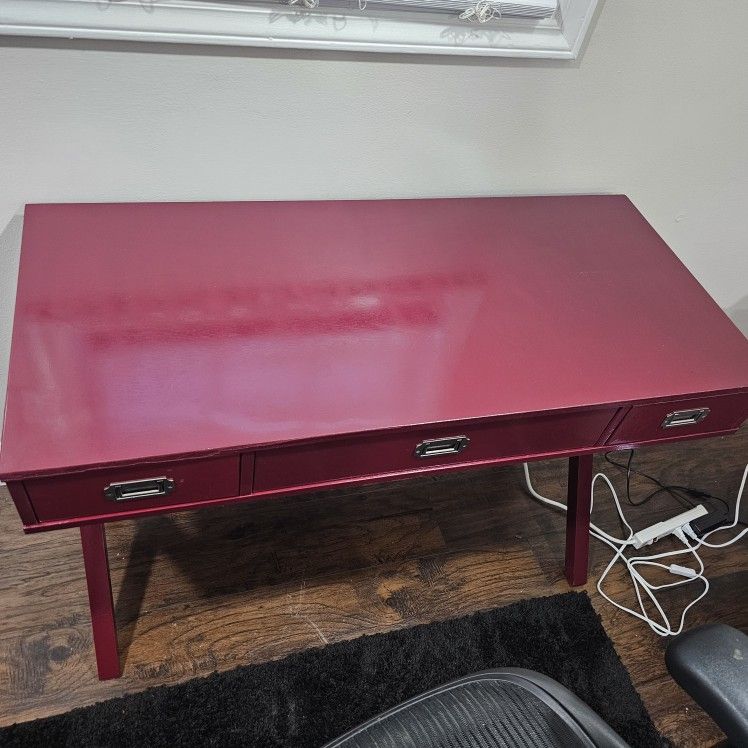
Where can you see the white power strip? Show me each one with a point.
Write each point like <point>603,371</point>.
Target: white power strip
<point>679,527</point>
<point>660,530</point>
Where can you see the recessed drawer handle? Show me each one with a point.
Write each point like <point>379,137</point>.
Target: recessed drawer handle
<point>452,445</point>
<point>139,489</point>
<point>684,417</point>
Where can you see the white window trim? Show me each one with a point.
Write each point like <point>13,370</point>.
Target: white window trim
<point>202,22</point>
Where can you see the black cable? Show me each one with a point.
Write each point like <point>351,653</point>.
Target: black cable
<point>683,494</point>
<point>661,487</point>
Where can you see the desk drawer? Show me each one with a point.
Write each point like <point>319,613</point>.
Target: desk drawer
<point>146,487</point>
<point>692,417</point>
<point>353,457</point>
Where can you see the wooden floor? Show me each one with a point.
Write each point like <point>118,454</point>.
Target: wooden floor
<point>200,591</point>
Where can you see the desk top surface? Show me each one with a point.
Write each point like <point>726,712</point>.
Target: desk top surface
<point>152,330</point>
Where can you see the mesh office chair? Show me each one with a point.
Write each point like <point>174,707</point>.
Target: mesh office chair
<point>514,708</point>
<point>509,707</point>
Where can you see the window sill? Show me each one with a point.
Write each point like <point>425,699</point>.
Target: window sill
<point>200,22</point>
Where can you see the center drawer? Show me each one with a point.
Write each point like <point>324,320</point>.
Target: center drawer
<point>424,448</point>
<point>116,490</point>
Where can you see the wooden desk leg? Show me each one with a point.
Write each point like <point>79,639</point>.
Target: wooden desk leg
<point>96,563</point>
<point>578,519</point>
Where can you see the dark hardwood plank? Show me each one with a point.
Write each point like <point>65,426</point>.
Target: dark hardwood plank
<point>206,590</point>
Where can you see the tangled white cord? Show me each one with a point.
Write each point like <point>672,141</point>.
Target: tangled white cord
<point>309,4</point>
<point>619,545</point>
<point>482,12</point>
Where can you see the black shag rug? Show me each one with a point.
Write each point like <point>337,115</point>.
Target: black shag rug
<point>311,697</point>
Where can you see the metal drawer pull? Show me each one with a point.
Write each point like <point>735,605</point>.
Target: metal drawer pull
<point>452,445</point>
<point>139,489</point>
<point>684,417</point>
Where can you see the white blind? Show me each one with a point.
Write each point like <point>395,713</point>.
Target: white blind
<point>535,9</point>
<point>479,11</point>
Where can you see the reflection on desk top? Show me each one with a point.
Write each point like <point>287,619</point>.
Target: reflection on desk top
<point>163,329</point>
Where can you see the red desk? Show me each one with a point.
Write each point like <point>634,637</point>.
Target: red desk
<point>173,356</point>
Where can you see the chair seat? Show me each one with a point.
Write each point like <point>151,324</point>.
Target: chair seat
<point>710,663</point>
<point>510,707</point>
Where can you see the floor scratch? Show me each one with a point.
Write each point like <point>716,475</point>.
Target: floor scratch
<point>322,637</point>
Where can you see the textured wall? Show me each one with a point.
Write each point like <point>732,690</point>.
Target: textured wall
<point>657,108</point>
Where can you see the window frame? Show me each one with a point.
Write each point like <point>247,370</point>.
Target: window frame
<point>206,22</point>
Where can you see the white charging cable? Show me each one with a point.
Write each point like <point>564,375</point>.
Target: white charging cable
<point>641,585</point>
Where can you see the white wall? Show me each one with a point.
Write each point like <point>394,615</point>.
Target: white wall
<point>657,108</point>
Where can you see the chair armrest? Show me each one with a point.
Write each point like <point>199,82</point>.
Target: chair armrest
<point>710,663</point>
